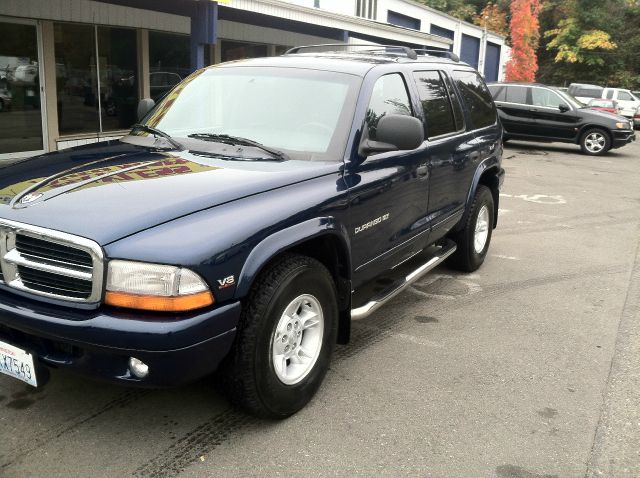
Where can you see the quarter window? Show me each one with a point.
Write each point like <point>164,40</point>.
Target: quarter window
<point>389,96</point>
<point>436,104</point>
<point>477,98</point>
<point>624,96</point>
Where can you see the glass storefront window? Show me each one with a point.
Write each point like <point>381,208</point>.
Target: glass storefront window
<point>169,61</point>
<point>89,102</point>
<point>20,115</point>
<point>76,80</point>
<point>118,77</point>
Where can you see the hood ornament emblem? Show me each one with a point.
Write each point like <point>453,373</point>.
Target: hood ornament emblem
<point>30,198</point>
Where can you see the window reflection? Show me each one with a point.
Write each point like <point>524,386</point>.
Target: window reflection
<point>20,115</point>
<point>86,105</point>
<point>169,61</point>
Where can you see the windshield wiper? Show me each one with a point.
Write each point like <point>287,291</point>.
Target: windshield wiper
<point>157,132</point>
<point>238,141</point>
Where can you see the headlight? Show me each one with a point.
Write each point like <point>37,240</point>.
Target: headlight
<point>139,285</point>
<point>622,125</point>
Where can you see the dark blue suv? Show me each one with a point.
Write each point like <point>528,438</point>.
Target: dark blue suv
<point>253,213</point>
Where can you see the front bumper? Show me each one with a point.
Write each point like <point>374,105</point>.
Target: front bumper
<point>622,137</point>
<point>99,343</point>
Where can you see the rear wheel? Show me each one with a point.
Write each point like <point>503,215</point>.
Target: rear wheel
<point>474,239</point>
<point>595,142</point>
<point>285,338</point>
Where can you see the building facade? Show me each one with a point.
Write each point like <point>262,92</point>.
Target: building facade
<point>73,71</point>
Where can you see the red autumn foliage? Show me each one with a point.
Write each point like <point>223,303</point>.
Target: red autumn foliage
<point>525,36</point>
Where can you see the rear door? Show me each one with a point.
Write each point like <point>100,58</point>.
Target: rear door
<point>514,107</point>
<point>550,120</point>
<point>451,149</point>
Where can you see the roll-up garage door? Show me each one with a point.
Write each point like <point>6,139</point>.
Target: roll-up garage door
<point>470,50</point>
<point>443,32</point>
<point>492,62</point>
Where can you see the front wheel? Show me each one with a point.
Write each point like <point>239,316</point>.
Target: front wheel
<point>474,238</point>
<point>595,142</point>
<point>285,338</point>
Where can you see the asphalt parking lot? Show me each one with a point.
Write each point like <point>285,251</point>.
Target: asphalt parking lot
<point>528,368</point>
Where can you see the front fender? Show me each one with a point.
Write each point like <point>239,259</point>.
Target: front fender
<point>286,239</point>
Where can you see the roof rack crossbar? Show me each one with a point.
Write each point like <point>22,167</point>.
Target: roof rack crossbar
<point>442,53</point>
<point>403,50</point>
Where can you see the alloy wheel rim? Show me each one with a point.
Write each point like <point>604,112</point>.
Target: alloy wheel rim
<point>595,142</point>
<point>297,339</point>
<point>481,232</point>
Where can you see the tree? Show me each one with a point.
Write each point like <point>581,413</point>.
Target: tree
<point>525,37</point>
<point>493,18</point>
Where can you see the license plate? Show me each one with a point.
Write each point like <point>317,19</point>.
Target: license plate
<point>17,363</point>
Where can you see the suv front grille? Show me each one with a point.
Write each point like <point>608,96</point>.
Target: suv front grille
<point>50,263</point>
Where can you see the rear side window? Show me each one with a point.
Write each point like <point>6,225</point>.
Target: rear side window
<point>477,98</point>
<point>517,94</point>
<point>389,96</point>
<point>624,96</point>
<point>436,103</point>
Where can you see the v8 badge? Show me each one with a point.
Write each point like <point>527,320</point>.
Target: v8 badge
<point>226,282</point>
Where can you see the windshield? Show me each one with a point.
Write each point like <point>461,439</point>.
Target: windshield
<point>305,113</point>
<point>570,99</point>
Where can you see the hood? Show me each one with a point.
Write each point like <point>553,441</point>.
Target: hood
<point>603,114</point>
<point>108,191</point>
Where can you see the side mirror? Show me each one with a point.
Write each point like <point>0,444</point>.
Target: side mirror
<point>395,132</point>
<point>144,107</point>
<point>563,108</point>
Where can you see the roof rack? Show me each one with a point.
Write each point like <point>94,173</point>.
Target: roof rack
<point>440,53</point>
<point>371,49</point>
<point>388,50</point>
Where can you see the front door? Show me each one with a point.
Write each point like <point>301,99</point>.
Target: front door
<point>551,121</point>
<point>388,192</point>
<point>22,132</point>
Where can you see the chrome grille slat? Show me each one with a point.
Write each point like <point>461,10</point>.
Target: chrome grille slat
<point>50,264</point>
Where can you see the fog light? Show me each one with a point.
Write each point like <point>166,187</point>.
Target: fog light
<point>138,367</point>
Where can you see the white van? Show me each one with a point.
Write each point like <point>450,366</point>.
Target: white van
<point>627,101</point>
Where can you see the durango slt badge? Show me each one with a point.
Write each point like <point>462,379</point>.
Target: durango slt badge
<point>369,224</point>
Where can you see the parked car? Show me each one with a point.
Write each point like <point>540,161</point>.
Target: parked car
<point>247,221</point>
<point>610,106</point>
<point>584,92</point>
<point>627,101</point>
<point>636,118</point>
<point>537,112</point>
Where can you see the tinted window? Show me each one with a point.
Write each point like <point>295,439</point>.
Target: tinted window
<point>389,96</point>
<point>477,98</point>
<point>589,92</point>
<point>435,103</point>
<point>624,96</point>
<point>455,102</point>
<point>517,94</point>
<point>610,94</point>
<point>543,97</point>
<point>498,92</point>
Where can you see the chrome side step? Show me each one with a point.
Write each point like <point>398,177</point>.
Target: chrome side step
<point>377,302</point>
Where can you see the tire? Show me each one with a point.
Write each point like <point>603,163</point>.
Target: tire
<point>595,142</point>
<point>470,254</point>
<point>250,376</point>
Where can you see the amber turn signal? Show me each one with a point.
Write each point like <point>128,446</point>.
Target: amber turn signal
<point>181,303</point>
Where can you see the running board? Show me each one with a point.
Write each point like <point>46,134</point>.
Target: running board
<point>374,304</point>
